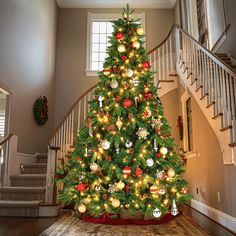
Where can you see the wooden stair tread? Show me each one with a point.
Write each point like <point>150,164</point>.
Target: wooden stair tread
<point>226,128</point>
<point>35,165</point>
<point>217,115</point>
<point>12,203</point>
<point>22,189</point>
<point>29,176</point>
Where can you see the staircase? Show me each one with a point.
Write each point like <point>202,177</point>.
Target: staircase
<point>26,191</point>
<point>227,60</point>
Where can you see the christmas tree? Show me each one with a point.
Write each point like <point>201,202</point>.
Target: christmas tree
<point>124,156</point>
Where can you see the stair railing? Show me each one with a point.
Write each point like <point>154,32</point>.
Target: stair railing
<point>213,76</point>
<point>4,159</point>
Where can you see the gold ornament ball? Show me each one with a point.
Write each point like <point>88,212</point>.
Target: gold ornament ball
<point>81,208</point>
<point>121,48</point>
<point>163,150</point>
<point>120,185</point>
<point>94,166</point>
<point>105,144</point>
<point>115,203</point>
<point>140,31</point>
<point>114,84</point>
<point>171,173</point>
<point>136,44</point>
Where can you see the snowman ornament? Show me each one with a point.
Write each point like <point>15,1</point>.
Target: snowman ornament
<point>156,213</point>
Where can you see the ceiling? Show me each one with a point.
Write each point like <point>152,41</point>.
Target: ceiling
<point>163,4</point>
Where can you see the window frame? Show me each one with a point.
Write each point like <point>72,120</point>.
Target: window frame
<point>102,17</point>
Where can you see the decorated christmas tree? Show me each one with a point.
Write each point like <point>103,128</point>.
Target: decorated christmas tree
<point>124,156</point>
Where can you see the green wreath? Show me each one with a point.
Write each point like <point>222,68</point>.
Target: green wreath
<point>41,110</point>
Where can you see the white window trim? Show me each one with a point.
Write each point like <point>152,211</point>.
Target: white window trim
<point>101,17</point>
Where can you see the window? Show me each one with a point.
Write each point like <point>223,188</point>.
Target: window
<point>189,125</point>
<point>98,32</point>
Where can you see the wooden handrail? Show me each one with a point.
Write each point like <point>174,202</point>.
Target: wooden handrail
<point>205,50</point>
<point>70,110</point>
<point>6,139</point>
<point>224,32</point>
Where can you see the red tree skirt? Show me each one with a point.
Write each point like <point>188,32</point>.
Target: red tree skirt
<point>166,218</point>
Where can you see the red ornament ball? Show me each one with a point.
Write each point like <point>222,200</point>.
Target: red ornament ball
<point>127,170</point>
<point>159,155</point>
<point>127,102</point>
<point>139,172</point>
<point>119,35</point>
<point>106,71</point>
<point>153,189</point>
<point>82,186</point>
<point>118,98</point>
<point>123,57</point>
<point>145,64</point>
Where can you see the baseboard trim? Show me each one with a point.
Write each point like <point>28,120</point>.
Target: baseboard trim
<point>220,217</point>
<point>24,154</point>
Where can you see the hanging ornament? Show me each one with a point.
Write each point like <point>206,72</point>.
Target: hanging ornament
<point>161,191</point>
<point>82,176</point>
<point>171,173</point>
<point>136,44</point>
<point>86,151</point>
<point>120,185</point>
<point>140,31</point>
<point>127,170</point>
<point>155,145</point>
<point>153,189</point>
<point>129,73</point>
<point>105,144</point>
<point>106,71</point>
<point>147,113</point>
<point>127,102</point>
<point>119,35</point>
<point>127,188</point>
<point>90,130</point>
<point>82,208</point>
<point>119,123</point>
<point>123,57</point>
<point>82,187</point>
<point>174,210</point>
<point>118,98</point>
<point>104,196</point>
<point>148,94</point>
<point>94,166</point>
<point>138,172</point>
<point>159,155</point>
<point>121,48</point>
<point>114,84</point>
<point>142,133</point>
<point>150,162</point>
<point>136,81</point>
<point>163,150</point>
<point>117,148</point>
<point>146,64</point>
<point>156,213</point>
<point>184,190</point>
<point>115,69</point>
<point>161,174</point>
<point>97,187</point>
<point>128,144</point>
<point>100,99</point>
<point>153,122</point>
<point>112,188</point>
<point>115,202</point>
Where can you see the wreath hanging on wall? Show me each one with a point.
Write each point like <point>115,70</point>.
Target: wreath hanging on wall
<point>41,110</point>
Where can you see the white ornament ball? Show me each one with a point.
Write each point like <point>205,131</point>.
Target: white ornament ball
<point>121,48</point>
<point>128,144</point>
<point>81,208</point>
<point>94,166</point>
<point>136,81</point>
<point>114,84</point>
<point>156,213</point>
<point>140,31</point>
<point>129,73</point>
<point>136,44</point>
<point>149,112</point>
<point>150,162</point>
<point>161,191</point>
<point>105,144</point>
<point>120,185</point>
<point>163,150</point>
<point>171,173</point>
<point>115,202</point>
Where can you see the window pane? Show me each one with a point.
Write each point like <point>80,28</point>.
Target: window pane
<point>95,47</point>
<point>95,27</point>
<point>109,27</point>
<point>103,27</point>
<point>102,56</point>
<point>102,47</point>
<point>95,38</point>
<point>95,57</point>
<point>103,38</point>
<point>94,65</point>
<point>100,65</point>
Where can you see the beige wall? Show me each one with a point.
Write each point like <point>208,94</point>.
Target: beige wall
<point>27,53</point>
<point>71,81</point>
<point>207,172</point>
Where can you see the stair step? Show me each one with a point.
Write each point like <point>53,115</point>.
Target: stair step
<point>19,208</point>
<point>41,157</point>
<point>22,193</point>
<point>226,128</point>
<point>28,180</point>
<point>36,168</point>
